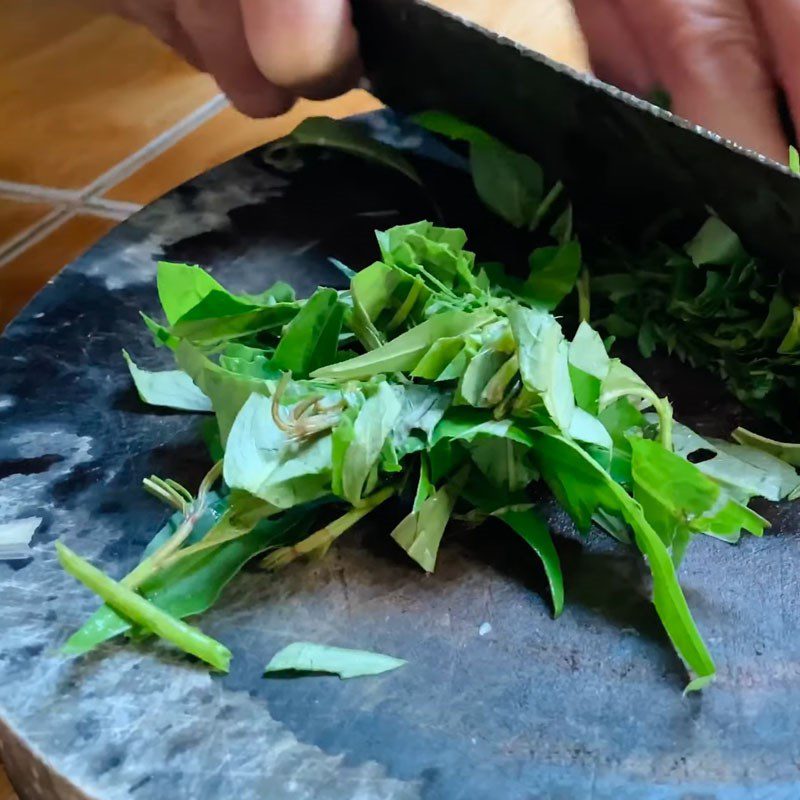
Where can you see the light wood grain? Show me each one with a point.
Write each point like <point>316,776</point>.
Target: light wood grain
<point>79,92</point>
<point>15,217</point>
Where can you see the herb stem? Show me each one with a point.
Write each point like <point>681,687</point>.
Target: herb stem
<point>325,537</point>
<point>143,612</point>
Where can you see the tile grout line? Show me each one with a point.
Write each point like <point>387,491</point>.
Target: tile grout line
<point>154,147</point>
<point>70,202</point>
<point>34,234</point>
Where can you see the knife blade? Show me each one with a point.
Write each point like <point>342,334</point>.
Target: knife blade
<point>626,158</point>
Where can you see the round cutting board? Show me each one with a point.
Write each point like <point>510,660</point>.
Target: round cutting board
<point>498,700</point>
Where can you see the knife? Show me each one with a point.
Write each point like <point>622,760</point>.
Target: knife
<point>626,158</point>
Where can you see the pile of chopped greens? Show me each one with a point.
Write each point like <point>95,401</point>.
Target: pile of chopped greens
<point>452,385</point>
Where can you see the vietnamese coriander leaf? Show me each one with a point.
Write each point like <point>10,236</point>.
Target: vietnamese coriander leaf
<point>307,657</point>
<point>170,389</point>
<point>347,137</point>
<point>533,529</point>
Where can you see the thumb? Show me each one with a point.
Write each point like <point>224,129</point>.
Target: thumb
<point>307,46</point>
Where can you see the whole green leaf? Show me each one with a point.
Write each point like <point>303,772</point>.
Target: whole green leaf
<point>510,183</point>
<point>326,660</point>
<point>554,271</point>
<point>533,529</point>
<point>312,338</point>
<point>403,353</point>
<point>348,138</point>
<point>169,389</point>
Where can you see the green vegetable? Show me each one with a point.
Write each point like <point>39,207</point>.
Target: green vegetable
<point>193,584</point>
<point>171,389</point>
<point>452,387</point>
<point>346,137</point>
<point>137,609</point>
<point>533,529</point>
<point>309,657</point>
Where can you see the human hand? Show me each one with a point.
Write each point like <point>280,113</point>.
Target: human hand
<point>721,61</point>
<point>262,53</point>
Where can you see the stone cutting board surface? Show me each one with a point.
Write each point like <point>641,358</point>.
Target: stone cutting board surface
<point>520,708</point>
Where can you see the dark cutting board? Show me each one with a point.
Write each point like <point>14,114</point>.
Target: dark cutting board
<point>586,706</point>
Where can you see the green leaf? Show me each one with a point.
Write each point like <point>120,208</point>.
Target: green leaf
<point>504,462</point>
<point>312,338</point>
<point>623,382</point>
<point>583,487</point>
<point>482,367</point>
<point>423,409</point>
<point>420,533</point>
<point>228,392</point>
<point>543,361</point>
<point>554,271</point>
<point>791,342</point>
<point>794,160</point>
<point>139,610</point>
<point>785,451</point>
<point>348,138</point>
<point>588,367</point>
<point>192,585</point>
<point>181,287</point>
<point>262,460</point>
<point>715,244</point>
<point>403,353</point>
<point>467,424</point>
<point>441,355</point>
<point>510,183</point>
<point>308,657</point>
<point>745,472</point>
<point>589,430</point>
<point>209,331</point>
<point>169,389</point>
<point>533,529</point>
<point>373,426</point>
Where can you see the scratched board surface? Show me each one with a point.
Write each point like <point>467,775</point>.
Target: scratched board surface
<point>497,701</point>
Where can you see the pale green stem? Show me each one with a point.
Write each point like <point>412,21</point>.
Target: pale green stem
<point>135,608</point>
<point>326,536</point>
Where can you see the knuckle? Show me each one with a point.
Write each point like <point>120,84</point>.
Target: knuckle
<point>713,39</point>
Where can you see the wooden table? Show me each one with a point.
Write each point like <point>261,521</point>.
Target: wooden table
<point>545,25</point>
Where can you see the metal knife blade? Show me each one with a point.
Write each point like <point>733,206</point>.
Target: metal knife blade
<point>627,158</point>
